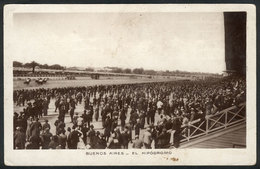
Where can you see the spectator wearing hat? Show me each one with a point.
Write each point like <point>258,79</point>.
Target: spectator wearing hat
<point>34,142</point>
<point>72,109</point>
<point>45,106</point>
<point>138,127</point>
<point>19,139</point>
<point>122,116</point>
<point>96,114</point>
<point>147,138</point>
<point>91,112</point>
<point>22,122</point>
<point>133,118</point>
<point>137,143</point>
<point>154,132</point>
<point>108,125</point>
<point>28,130</point>
<point>84,131</point>
<point>163,139</point>
<point>84,116</point>
<point>125,139</point>
<point>142,119</point>
<point>88,117</point>
<point>91,136</point>
<point>80,122</point>
<point>177,134</point>
<point>46,125</point>
<point>112,142</point>
<point>114,123</point>
<point>69,138</point>
<point>81,144</point>
<point>159,105</point>
<point>28,111</point>
<point>118,138</point>
<point>74,138</point>
<point>46,138</point>
<point>128,130</point>
<point>36,127</point>
<point>62,139</point>
<point>60,125</point>
<point>15,118</point>
<point>101,141</point>
<point>54,142</point>
<point>96,139</point>
<point>75,118</point>
<point>103,116</point>
<point>149,115</point>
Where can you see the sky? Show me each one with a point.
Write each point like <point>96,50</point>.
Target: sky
<point>160,41</point>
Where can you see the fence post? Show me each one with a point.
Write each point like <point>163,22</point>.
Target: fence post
<point>226,119</point>
<point>207,124</point>
<point>188,131</point>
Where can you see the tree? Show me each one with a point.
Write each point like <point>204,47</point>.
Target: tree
<point>117,70</point>
<point>150,72</point>
<point>32,65</point>
<point>138,71</point>
<point>45,66</point>
<point>56,66</point>
<point>127,70</point>
<point>17,64</point>
<point>89,69</point>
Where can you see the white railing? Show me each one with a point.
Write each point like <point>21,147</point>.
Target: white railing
<point>215,122</point>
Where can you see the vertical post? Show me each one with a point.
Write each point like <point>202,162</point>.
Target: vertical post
<point>189,132</point>
<point>226,112</point>
<point>207,124</point>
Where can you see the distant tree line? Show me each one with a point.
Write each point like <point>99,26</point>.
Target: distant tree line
<point>34,64</point>
<point>154,72</point>
<point>89,69</point>
<point>127,70</point>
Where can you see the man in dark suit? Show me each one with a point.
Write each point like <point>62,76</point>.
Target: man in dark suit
<point>36,127</point>
<point>19,139</point>
<point>74,138</point>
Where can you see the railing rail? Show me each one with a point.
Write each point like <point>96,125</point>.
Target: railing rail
<point>211,123</point>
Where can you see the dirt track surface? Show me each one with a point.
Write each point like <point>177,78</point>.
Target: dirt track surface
<point>19,84</point>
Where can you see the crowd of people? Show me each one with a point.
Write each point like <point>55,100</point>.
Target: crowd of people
<point>127,113</point>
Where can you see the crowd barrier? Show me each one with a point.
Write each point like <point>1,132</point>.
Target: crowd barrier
<point>214,122</point>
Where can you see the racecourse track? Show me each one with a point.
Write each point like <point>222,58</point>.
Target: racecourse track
<point>54,83</point>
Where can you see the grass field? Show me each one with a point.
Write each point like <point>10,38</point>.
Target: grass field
<point>19,84</point>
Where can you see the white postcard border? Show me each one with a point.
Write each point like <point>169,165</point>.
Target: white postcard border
<point>78,157</point>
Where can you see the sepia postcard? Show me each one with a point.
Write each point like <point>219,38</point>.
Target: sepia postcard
<point>129,84</point>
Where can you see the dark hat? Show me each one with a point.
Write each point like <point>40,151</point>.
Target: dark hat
<point>151,125</point>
